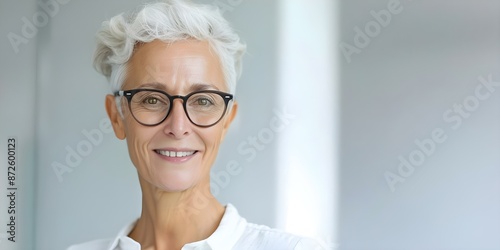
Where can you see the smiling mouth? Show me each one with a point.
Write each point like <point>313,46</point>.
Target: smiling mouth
<point>175,153</point>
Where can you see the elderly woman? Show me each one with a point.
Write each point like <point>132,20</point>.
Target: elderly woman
<point>173,68</point>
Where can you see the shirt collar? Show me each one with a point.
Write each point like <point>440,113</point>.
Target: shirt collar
<point>230,229</point>
<point>123,237</point>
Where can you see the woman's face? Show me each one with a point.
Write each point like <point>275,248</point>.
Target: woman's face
<point>178,69</point>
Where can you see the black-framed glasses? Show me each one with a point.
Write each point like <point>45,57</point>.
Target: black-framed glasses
<point>151,107</point>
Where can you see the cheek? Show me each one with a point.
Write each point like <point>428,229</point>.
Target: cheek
<point>212,139</point>
<point>137,141</point>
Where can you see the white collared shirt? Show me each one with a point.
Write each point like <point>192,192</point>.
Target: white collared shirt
<point>233,233</point>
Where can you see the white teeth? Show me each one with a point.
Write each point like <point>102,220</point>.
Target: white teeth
<point>174,153</point>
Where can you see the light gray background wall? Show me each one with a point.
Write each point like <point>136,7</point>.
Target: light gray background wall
<point>395,91</point>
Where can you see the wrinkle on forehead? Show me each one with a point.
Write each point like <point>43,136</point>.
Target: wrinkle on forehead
<point>177,65</point>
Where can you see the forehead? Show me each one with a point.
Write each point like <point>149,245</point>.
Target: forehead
<point>176,66</point>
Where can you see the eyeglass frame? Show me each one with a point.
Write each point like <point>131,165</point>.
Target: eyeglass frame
<point>128,94</point>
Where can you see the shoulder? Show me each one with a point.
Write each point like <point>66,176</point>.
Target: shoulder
<point>263,238</point>
<point>120,240</point>
<point>101,244</point>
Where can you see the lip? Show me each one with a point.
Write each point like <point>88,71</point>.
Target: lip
<point>175,159</point>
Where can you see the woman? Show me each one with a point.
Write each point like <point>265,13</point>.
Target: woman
<point>173,68</point>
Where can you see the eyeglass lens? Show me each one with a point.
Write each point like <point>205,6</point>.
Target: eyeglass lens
<point>203,108</point>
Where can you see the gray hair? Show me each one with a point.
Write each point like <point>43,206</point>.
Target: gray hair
<point>168,21</point>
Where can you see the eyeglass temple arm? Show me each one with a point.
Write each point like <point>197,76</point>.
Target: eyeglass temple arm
<point>122,93</point>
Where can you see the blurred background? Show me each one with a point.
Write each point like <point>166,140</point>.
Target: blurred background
<point>388,109</point>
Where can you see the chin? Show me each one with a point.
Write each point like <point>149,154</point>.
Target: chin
<point>173,182</point>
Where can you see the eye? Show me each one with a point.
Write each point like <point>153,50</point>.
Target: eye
<point>151,100</point>
<point>203,101</point>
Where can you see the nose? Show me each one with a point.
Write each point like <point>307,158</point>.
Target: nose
<point>177,124</point>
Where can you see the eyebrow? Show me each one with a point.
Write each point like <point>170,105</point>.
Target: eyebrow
<point>202,86</point>
<point>193,87</point>
<point>154,85</point>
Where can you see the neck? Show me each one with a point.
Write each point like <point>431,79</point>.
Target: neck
<point>169,220</point>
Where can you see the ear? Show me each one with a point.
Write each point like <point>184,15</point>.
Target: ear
<point>115,117</point>
<point>230,117</point>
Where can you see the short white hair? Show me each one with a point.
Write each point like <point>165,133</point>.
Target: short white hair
<point>168,21</point>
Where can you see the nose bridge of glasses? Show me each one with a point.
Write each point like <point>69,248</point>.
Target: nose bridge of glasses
<point>173,97</point>
<point>181,104</point>
<point>182,100</point>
